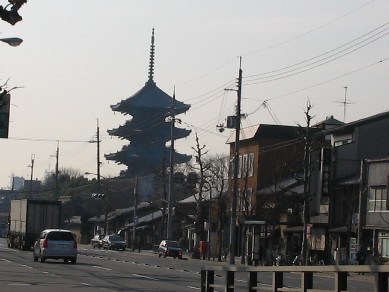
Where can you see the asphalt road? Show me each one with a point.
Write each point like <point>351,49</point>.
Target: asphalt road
<point>105,270</point>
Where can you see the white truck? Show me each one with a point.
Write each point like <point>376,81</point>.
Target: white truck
<point>27,218</point>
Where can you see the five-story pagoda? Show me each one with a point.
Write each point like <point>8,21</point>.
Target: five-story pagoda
<point>149,130</point>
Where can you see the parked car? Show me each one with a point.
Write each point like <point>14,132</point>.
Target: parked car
<point>114,241</point>
<point>55,244</point>
<point>96,241</point>
<point>169,248</point>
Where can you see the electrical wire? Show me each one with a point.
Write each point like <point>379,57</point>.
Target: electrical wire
<point>208,73</point>
<point>324,82</point>
<point>319,62</point>
<point>214,91</point>
<point>47,140</point>
<point>325,53</point>
<point>309,31</point>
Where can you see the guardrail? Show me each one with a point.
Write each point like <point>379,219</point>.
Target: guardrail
<point>340,273</point>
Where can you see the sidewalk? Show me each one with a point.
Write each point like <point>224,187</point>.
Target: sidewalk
<point>238,262</point>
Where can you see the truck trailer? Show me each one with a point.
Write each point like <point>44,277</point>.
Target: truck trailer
<point>28,218</point>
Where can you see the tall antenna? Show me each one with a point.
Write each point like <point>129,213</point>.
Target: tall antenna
<point>344,103</point>
<point>152,52</point>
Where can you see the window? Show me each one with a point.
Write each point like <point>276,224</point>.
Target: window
<point>240,166</point>
<point>239,201</point>
<point>249,198</point>
<point>244,165</point>
<point>377,199</point>
<point>383,244</point>
<point>251,164</point>
<point>60,235</point>
<point>244,200</point>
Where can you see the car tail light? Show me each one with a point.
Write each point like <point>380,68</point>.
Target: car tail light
<point>75,245</point>
<point>45,243</point>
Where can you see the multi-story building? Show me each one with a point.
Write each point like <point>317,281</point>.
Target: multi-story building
<point>353,220</point>
<point>270,188</point>
<point>268,156</point>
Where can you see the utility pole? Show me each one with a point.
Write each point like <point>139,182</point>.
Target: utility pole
<point>98,154</point>
<point>32,172</point>
<point>171,181</point>
<point>57,173</point>
<point>135,213</point>
<point>232,244</point>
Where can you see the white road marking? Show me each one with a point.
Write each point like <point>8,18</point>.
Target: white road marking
<point>146,277</point>
<point>97,267</point>
<point>191,287</point>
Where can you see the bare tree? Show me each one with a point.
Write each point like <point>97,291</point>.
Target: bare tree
<point>201,167</point>
<point>218,179</point>
<point>307,177</point>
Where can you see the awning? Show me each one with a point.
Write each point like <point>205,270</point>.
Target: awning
<point>294,229</point>
<point>347,181</point>
<point>340,229</point>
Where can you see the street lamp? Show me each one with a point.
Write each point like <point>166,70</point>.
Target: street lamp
<point>13,42</point>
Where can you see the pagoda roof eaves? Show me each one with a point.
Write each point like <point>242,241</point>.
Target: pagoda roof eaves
<point>149,96</point>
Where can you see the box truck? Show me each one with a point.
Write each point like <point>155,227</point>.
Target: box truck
<point>27,218</point>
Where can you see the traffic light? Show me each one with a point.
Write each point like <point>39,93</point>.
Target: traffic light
<point>5,99</point>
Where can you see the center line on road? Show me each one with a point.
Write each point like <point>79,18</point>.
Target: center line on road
<point>146,277</point>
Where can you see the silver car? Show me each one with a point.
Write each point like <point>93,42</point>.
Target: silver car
<point>56,244</point>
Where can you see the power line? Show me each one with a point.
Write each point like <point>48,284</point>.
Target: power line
<point>309,31</point>
<point>329,80</point>
<point>47,140</point>
<point>317,63</point>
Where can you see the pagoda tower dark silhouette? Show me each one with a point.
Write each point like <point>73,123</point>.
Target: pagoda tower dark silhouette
<point>149,130</point>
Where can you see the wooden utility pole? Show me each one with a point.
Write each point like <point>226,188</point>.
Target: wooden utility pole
<point>135,220</point>
<point>57,173</point>
<point>32,172</point>
<point>98,154</point>
<point>232,243</point>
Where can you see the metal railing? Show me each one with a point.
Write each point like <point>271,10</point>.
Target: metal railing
<point>339,272</point>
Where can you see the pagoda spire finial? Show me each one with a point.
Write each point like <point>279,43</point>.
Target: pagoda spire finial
<point>152,51</point>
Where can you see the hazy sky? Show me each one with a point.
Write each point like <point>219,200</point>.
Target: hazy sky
<point>80,57</point>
